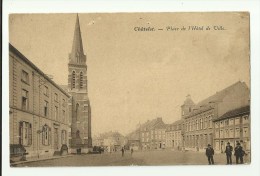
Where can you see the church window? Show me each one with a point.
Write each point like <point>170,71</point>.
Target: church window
<point>77,111</point>
<point>73,80</point>
<point>81,79</point>
<point>77,134</point>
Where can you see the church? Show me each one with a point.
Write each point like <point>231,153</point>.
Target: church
<point>79,105</point>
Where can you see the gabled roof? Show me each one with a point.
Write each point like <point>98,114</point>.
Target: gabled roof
<point>205,104</point>
<point>236,112</point>
<point>150,124</point>
<point>27,61</point>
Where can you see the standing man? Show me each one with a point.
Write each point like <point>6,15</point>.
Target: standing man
<point>239,153</point>
<point>209,154</point>
<point>228,151</point>
<point>132,151</point>
<point>123,151</point>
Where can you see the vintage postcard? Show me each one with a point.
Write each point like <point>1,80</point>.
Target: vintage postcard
<point>123,89</point>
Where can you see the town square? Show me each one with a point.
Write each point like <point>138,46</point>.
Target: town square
<point>81,95</point>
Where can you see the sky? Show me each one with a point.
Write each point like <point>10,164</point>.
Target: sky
<point>134,76</point>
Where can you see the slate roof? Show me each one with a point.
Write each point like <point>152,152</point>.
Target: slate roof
<point>233,113</point>
<point>205,104</point>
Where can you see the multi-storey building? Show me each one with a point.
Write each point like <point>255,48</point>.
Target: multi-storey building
<point>174,135</point>
<point>39,115</point>
<point>133,140</point>
<point>152,134</point>
<point>112,141</point>
<point>198,118</point>
<point>233,127</point>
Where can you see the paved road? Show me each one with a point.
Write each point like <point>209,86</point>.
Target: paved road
<point>145,158</point>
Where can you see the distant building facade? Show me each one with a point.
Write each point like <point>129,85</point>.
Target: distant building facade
<point>111,141</point>
<point>152,134</point>
<point>133,140</point>
<point>39,114</point>
<point>198,118</point>
<point>174,135</point>
<point>233,127</point>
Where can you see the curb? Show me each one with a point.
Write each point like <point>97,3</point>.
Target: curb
<point>43,159</point>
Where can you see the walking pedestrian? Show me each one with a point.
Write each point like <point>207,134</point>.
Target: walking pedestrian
<point>239,153</point>
<point>209,154</point>
<point>132,151</point>
<point>228,151</point>
<point>123,151</point>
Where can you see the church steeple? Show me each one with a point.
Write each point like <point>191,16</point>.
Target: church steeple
<point>77,53</point>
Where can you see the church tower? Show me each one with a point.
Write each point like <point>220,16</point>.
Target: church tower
<point>79,104</point>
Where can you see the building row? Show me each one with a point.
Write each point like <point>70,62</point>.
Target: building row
<point>221,118</point>
<point>111,141</point>
<point>45,118</point>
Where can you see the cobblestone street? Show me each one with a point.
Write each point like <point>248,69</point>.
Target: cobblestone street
<point>144,158</point>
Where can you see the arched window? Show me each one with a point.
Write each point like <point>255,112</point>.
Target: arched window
<point>77,134</point>
<point>77,110</point>
<point>73,80</point>
<point>81,80</point>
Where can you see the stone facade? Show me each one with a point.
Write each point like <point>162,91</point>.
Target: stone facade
<point>79,104</point>
<point>174,135</point>
<point>198,121</point>
<point>233,127</point>
<point>39,114</point>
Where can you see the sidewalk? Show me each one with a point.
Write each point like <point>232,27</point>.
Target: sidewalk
<point>39,159</point>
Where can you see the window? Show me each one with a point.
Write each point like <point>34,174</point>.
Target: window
<point>25,77</point>
<point>201,123</point>
<point>245,119</point>
<point>226,133</point>
<point>55,112</point>
<point>25,133</point>
<point>197,124</point>
<point>46,135</point>
<point>56,97</point>
<point>217,133</point>
<point>226,122</point>
<point>77,110</point>
<point>237,132</point>
<point>221,124</point>
<point>24,99</point>
<point>245,132</point>
<point>216,125</point>
<point>210,122</point>
<point>63,102</point>
<point>63,115</point>
<point>231,121</point>
<point>221,134</point>
<point>81,80</point>
<point>205,123</point>
<point>231,133</point>
<point>77,134</point>
<point>237,121</point>
<point>63,137</point>
<point>46,91</point>
<point>73,80</point>
<point>45,108</point>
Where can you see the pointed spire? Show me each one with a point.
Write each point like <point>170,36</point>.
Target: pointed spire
<point>77,53</point>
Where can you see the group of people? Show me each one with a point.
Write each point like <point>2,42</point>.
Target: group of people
<point>123,151</point>
<point>239,153</point>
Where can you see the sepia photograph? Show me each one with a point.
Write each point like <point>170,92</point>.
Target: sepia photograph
<point>129,89</point>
